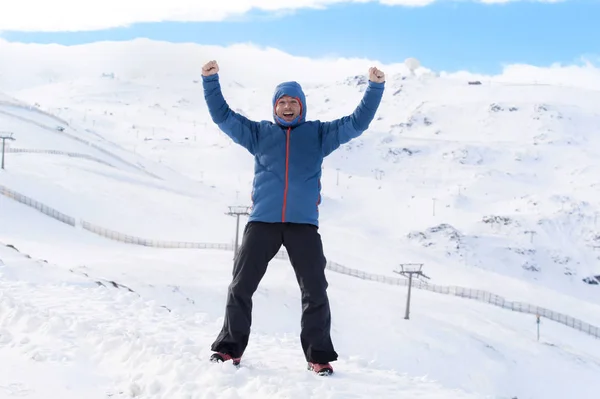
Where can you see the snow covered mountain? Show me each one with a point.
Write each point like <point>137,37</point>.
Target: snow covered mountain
<point>490,182</point>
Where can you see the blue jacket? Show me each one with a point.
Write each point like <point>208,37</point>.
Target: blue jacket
<point>288,156</point>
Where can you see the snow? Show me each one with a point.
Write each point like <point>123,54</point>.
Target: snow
<point>450,175</point>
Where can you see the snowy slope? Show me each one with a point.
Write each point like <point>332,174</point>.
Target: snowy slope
<point>451,175</point>
<point>62,179</point>
<point>507,170</point>
<point>394,213</point>
<point>154,340</point>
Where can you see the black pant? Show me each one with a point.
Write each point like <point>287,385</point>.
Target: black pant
<point>260,243</point>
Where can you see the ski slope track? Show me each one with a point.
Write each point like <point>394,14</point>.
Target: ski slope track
<point>60,129</point>
<point>490,186</point>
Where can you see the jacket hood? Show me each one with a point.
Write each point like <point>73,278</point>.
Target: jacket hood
<point>292,89</point>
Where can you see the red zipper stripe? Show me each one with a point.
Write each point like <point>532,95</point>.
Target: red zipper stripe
<point>287,163</point>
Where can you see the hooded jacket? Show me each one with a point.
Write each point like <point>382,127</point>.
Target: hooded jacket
<point>288,156</point>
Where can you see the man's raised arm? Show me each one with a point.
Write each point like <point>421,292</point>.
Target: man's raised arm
<point>341,131</point>
<point>239,128</point>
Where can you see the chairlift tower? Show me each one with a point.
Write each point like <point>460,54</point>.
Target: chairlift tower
<point>410,269</point>
<point>5,136</point>
<point>237,211</point>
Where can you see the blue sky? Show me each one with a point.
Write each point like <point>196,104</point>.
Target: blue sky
<point>444,36</point>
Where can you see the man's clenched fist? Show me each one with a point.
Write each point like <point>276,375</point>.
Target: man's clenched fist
<point>210,68</point>
<point>375,75</point>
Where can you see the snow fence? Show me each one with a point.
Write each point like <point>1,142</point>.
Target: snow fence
<point>129,239</point>
<point>469,293</point>
<point>45,209</point>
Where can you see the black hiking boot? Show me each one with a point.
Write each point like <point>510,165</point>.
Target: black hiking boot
<point>319,368</point>
<point>219,357</point>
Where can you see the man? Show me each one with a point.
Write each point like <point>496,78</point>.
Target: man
<point>288,154</point>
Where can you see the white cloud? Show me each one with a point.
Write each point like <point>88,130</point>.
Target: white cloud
<point>83,15</point>
<point>27,65</point>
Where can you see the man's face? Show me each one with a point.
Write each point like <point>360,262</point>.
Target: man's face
<point>288,108</point>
